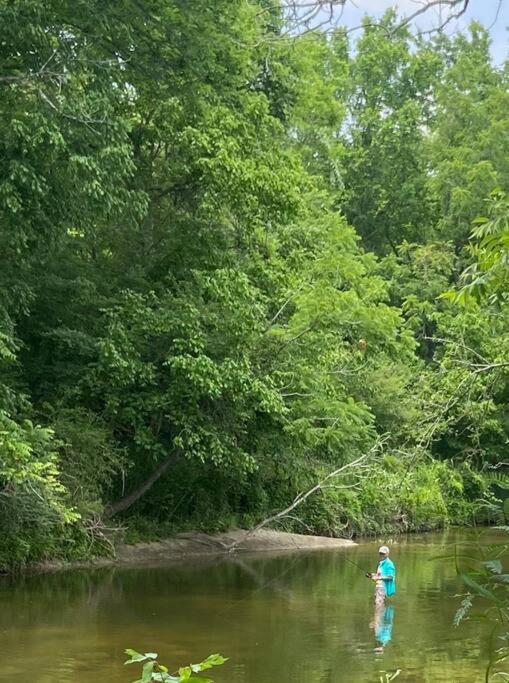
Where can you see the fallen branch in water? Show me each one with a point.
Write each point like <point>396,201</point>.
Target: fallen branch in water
<point>360,464</point>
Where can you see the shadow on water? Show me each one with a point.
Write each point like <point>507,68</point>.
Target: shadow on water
<point>300,617</point>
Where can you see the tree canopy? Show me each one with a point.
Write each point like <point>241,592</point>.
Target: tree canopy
<point>223,266</point>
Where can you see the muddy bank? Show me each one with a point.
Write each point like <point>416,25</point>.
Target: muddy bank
<point>195,544</point>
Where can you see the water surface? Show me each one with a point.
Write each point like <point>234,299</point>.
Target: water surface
<point>301,617</point>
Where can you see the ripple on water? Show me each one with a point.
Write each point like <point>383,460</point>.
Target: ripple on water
<point>306,618</point>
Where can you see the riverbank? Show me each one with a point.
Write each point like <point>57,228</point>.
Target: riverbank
<point>196,545</point>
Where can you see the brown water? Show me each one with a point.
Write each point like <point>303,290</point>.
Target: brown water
<point>295,618</point>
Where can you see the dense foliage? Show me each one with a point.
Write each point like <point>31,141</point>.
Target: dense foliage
<point>224,267</point>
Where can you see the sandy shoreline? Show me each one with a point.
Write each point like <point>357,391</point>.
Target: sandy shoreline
<point>199,545</point>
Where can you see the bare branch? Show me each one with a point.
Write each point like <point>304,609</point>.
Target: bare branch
<point>290,298</point>
<point>484,366</point>
<point>294,339</point>
<point>497,14</point>
<point>296,393</point>
<point>452,342</point>
<point>452,4</point>
<point>489,367</point>
<point>304,16</point>
<point>350,467</point>
<point>85,120</point>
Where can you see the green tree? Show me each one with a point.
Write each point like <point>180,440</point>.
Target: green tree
<point>469,140</point>
<point>487,277</point>
<point>386,167</point>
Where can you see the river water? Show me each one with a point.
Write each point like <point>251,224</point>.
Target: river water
<point>304,617</point>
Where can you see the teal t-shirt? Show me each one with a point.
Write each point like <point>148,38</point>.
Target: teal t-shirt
<point>386,568</point>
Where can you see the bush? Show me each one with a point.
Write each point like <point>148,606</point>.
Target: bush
<point>395,497</point>
<point>34,508</point>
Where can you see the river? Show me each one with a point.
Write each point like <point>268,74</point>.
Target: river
<point>304,617</point>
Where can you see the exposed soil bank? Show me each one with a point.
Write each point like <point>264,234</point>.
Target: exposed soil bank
<point>195,544</point>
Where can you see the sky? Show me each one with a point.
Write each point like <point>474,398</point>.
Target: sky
<point>491,13</point>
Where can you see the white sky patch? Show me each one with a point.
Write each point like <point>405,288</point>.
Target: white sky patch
<point>491,13</point>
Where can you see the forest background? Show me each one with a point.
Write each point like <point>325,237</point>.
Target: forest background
<point>234,260</point>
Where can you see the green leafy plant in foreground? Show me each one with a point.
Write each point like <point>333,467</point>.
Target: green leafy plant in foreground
<point>387,676</point>
<point>487,584</point>
<point>153,670</point>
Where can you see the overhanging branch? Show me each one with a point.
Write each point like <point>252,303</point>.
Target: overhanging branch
<point>354,467</point>
<point>303,16</point>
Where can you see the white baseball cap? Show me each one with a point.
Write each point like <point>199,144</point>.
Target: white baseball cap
<point>384,550</point>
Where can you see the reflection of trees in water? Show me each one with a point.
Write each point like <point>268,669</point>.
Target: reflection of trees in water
<point>48,623</point>
<point>297,615</point>
<point>47,598</point>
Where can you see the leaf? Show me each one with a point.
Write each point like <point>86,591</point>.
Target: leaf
<point>136,657</point>
<point>495,566</point>
<point>506,507</point>
<point>481,590</point>
<point>451,557</point>
<point>212,660</point>
<point>147,672</point>
<point>466,604</point>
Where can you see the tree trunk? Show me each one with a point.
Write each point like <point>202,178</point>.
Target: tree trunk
<point>126,502</point>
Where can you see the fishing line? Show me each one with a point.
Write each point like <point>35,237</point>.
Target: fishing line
<point>358,566</point>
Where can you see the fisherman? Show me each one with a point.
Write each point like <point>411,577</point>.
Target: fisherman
<point>384,577</point>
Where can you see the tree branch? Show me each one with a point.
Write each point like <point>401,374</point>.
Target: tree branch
<point>359,463</point>
<point>298,15</point>
<point>129,500</point>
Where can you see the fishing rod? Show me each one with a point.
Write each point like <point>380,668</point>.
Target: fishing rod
<point>368,574</point>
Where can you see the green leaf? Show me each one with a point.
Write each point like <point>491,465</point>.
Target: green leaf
<point>480,590</point>
<point>136,657</point>
<point>147,672</point>
<point>506,507</point>
<point>212,660</point>
<point>495,566</point>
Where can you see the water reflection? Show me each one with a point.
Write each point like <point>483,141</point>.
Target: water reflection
<point>301,618</point>
<point>382,625</point>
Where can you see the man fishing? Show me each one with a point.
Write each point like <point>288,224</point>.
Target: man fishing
<point>384,577</point>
